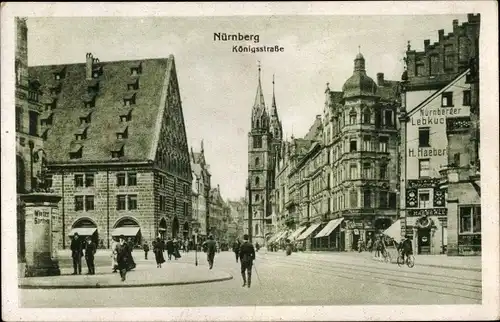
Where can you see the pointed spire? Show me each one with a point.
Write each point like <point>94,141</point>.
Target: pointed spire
<point>202,150</point>
<point>259,96</point>
<point>274,111</point>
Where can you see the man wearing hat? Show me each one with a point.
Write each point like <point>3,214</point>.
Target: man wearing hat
<point>122,256</point>
<point>247,256</point>
<point>76,254</point>
<point>211,249</point>
<point>90,250</point>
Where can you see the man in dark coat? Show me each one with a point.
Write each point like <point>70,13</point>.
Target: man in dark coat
<point>247,256</point>
<point>123,257</point>
<point>170,248</point>
<point>76,254</point>
<point>211,250</point>
<point>146,250</point>
<point>131,263</point>
<point>406,247</point>
<point>90,249</point>
<point>236,249</point>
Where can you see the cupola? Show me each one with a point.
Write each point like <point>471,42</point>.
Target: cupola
<point>359,84</point>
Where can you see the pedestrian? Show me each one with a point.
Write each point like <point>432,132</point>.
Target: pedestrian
<point>177,254</point>
<point>186,246</point>
<point>247,256</point>
<point>114,263</point>
<point>77,254</point>
<point>123,257</point>
<point>131,262</point>
<point>146,250</point>
<point>288,247</point>
<point>236,249</point>
<point>257,246</point>
<point>170,248</point>
<point>158,249</point>
<point>211,249</point>
<point>90,250</point>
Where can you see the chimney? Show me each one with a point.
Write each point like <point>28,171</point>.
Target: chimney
<point>89,65</point>
<point>455,24</point>
<point>426,43</point>
<point>380,79</point>
<point>441,34</point>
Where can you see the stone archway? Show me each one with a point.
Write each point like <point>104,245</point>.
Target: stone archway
<point>85,227</point>
<point>162,229</point>
<point>20,174</point>
<point>175,227</point>
<point>129,228</point>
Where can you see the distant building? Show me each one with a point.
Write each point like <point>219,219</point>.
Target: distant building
<point>116,148</point>
<point>201,191</point>
<point>218,214</point>
<point>236,226</point>
<point>264,141</point>
<point>435,122</point>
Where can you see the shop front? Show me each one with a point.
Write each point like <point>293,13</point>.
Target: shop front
<point>428,234</point>
<point>305,239</point>
<point>329,238</point>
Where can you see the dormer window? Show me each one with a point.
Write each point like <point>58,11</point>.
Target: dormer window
<point>89,100</point>
<point>76,151</point>
<point>59,73</point>
<point>136,69</point>
<point>133,84</point>
<point>129,99</point>
<point>122,133</point>
<point>126,115</point>
<point>46,119</point>
<point>85,118</point>
<point>81,133</point>
<point>117,150</point>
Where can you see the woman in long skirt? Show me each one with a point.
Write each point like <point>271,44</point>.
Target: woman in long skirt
<point>158,250</point>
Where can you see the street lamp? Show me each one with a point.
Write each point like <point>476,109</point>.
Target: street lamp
<point>196,247</point>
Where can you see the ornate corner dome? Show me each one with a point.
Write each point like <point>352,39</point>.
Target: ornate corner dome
<point>359,84</point>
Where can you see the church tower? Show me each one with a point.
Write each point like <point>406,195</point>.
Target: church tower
<point>264,131</point>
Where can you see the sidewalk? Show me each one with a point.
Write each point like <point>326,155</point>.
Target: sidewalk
<point>146,274</point>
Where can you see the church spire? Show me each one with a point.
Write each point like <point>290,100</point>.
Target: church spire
<point>259,97</point>
<point>274,112</point>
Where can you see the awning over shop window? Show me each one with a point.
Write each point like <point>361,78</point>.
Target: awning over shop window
<point>125,231</point>
<point>283,235</point>
<point>327,230</point>
<point>83,231</point>
<point>308,231</point>
<point>297,232</point>
<point>278,236</point>
<point>394,231</point>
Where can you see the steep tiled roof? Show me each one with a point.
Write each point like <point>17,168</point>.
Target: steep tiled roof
<point>315,130</point>
<point>109,105</point>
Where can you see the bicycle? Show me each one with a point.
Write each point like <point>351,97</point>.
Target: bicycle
<point>409,260</point>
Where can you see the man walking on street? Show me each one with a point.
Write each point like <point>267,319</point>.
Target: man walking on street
<point>236,249</point>
<point>146,250</point>
<point>211,249</point>
<point>76,254</point>
<point>247,256</point>
<point>123,257</point>
<point>90,249</point>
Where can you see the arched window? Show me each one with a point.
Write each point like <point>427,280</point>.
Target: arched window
<point>257,124</point>
<point>257,161</point>
<point>367,116</point>
<point>257,181</point>
<point>352,117</point>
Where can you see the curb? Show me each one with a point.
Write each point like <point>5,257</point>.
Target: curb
<point>221,279</point>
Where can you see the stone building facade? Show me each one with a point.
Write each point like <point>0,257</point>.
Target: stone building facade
<point>264,140</point>
<point>116,149</point>
<point>435,121</point>
<point>362,143</point>
<point>201,191</point>
<point>219,212</point>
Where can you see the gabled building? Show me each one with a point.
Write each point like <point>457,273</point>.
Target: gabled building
<point>116,148</point>
<point>201,191</point>
<point>435,132</point>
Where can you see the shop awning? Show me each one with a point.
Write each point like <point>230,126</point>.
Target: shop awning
<point>283,235</point>
<point>308,231</point>
<point>83,231</point>
<point>297,232</point>
<point>394,231</point>
<point>327,230</point>
<point>275,236</point>
<point>126,231</point>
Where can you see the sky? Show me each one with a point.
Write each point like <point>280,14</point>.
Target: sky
<point>218,86</point>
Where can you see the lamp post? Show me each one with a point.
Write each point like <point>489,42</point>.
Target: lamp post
<point>196,247</point>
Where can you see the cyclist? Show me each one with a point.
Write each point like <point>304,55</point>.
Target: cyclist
<point>406,248</point>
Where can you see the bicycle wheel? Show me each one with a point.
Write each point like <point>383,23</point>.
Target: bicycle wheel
<point>400,261</point>
<point>410,261</point>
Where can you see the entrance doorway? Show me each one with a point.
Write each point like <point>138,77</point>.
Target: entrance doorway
<point>355,239</point>
<point>175,227</point>
<point>424,241</point>
<point>162,229</point>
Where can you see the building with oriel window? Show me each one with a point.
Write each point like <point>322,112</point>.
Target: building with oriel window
<point>439,156</point>
<point>116,148</point>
